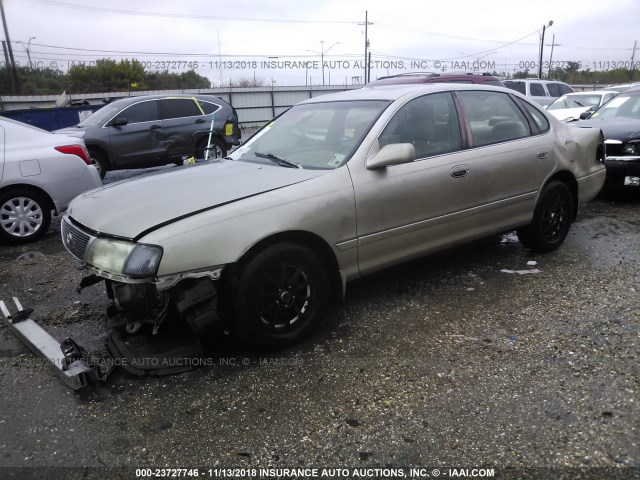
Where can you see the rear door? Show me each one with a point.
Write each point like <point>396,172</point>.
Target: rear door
<point>140,142</point>
<point>510,155</point>
<point>182,118</point>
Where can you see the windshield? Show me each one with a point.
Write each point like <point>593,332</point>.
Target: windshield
<point>315,136</point>
<point>101,116</point>
<point>624,105</point>
<point>575,101</point>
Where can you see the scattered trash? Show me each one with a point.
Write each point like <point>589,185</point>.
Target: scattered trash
<point>521,272</point>
<point>512,338</point>
<point>532,263</point>
<point>470,289</point>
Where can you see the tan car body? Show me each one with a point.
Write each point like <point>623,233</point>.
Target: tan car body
<point>209,216</point>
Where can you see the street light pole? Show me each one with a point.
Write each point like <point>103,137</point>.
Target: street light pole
<point>28,50</point>
<point>544,27</point>
<point>322,52</point>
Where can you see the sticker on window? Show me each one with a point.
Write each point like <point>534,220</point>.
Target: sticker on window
<point>336,160</point>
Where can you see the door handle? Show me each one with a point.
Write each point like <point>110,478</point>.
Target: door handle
<point>543,154</point>
<point>200,120</point>
<point>460,171</point>
<point>154,127</point>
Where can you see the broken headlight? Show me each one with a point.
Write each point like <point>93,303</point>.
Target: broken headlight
<point>631,148</point>
<point>124,258</point>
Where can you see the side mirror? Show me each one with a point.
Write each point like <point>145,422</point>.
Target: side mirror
<point>393,154</point>
<point>119,122</point>
<point>586,114</point>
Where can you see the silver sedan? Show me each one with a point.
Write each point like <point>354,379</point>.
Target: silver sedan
<point>39,173</point>
<point>335,188</point>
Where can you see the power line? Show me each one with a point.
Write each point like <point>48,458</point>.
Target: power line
<point>141,13</point>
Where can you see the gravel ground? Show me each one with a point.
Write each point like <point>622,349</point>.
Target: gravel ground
<point>443,362</point>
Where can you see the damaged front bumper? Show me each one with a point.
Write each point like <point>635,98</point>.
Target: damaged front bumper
<point>69,360</point>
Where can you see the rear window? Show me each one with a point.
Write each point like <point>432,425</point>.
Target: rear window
<point>517,86</point>
<point>494,83</point>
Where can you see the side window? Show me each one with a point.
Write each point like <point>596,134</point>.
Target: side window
<point>494,117</point>
<point>179,108</point>
<point>564,88</point>
<point>608,97</point>
<point>537,90</point>
<point>141,112</point>
<point>554,89</point>
<point>539,119</point>
<point>429,123</point>
<point>517,86</point>
<point>207,107</point>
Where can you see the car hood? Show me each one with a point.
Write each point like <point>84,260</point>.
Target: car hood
<point>563,113</point>
<point>622,129</point>
<point>134,207</point>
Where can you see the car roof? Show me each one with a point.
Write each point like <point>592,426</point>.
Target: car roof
<point>138,98</point>
<point>396,91</point>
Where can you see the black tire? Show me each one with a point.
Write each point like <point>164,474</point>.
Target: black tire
<point>217,149</point>
<point>100,162</point>
<point>279,296</point>
<point>25,216</point>
<point>551,220</point>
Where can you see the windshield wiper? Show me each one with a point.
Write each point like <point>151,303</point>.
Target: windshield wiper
<point>280,161</point>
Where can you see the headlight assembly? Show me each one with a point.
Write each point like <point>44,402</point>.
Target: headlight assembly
<point>143,261</point>
<point>631,148</point>
<point>124,258</point>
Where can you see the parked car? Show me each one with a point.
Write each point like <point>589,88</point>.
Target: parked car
<point>337,187</point>
<point>542,91</point>
<point>153,130</point>
<point>39,173</point>
<point>568,107</point>
<point>619,119</point>
<point>430,77</point>
<point>623,87</point>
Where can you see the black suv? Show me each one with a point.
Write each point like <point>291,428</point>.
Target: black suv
<point>153,130</point>
<point>429,77</point>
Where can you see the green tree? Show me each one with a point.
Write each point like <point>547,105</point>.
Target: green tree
<point>107,76</point>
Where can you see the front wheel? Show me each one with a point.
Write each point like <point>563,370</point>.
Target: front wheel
<point>551,219</point>
<point>279,296</point>
<point>25,216</point>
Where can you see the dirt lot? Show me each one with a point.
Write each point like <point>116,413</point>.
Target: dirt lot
<point>444,362</point>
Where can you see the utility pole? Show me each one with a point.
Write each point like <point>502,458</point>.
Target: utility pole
<point>633,59</point>
<point>14,72</point>
<point>544,27</point>
<point>366,44</point>
<point>553,44</point>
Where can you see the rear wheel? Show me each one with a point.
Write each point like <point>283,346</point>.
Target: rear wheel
<point>551,220</point>
<point>279,296</point>
<point>25,216</point>
<point>216,149</point>
<point>99,161</point>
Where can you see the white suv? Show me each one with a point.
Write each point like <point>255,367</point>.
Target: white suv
<point>542,91</point>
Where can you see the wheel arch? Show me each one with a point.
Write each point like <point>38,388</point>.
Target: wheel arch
<point>570,181</point>
<point>32,188</point>
<point>305,239</point>
<point>100,149</point>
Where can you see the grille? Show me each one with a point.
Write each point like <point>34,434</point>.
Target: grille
<point>74,239</point>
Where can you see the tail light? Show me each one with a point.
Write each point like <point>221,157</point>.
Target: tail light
<point>77,150</point>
